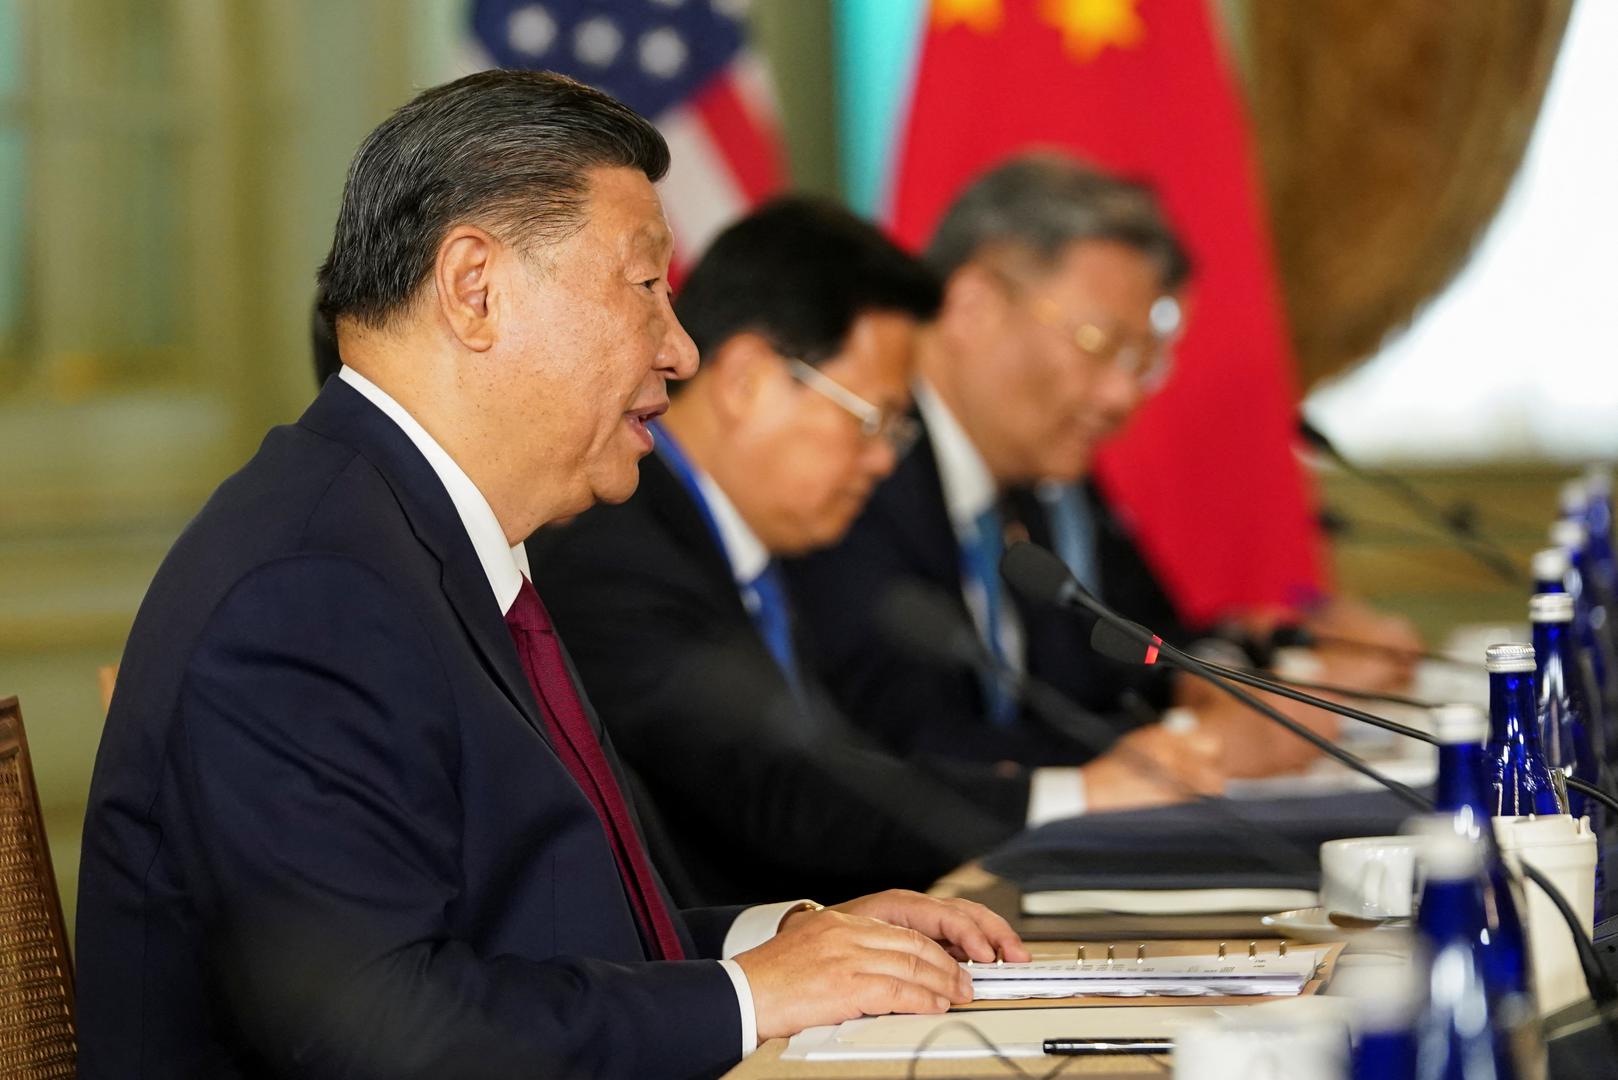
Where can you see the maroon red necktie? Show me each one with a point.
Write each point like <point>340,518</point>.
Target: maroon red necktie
<point>576,744</point>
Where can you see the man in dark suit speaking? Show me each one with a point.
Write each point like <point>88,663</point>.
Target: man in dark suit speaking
<point>351,815</point>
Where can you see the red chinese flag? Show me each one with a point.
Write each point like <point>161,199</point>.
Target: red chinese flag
<point>1206,471</point>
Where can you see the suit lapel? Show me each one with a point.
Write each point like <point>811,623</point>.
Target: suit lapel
<point>341,413</point>
<point>484,623</point>
<point>912,502</point>
<point>668,501</point>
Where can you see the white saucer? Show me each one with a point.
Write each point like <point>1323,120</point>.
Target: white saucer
<point>1312,925</point>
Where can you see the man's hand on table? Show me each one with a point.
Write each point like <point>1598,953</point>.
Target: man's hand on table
<point>1152,766</point>
<point>1388,665</point>
<point>968,931</point>
<point>1255,746</point>
<point>894,951</point>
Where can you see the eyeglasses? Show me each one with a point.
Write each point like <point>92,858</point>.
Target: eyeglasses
<point>1145,358</point>
<point>897,429</point>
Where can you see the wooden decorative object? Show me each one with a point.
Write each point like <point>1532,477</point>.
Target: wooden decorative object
<point>1389,133</point>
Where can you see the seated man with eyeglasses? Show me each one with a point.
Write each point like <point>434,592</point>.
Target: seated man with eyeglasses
<point>675,610</point>
<point>1062,298</point>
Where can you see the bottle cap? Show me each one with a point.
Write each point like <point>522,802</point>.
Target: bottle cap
<point>1550,564</point>
<point>1573,496</point>
<point>1445,852</point>
<point>1550,607</point>
<point>1460,724</point>
<point>1509,657</point>
<point>1569,535</point>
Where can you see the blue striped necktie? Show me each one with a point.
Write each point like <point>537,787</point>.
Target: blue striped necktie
<point>1073,532</point>
<point>766,601</point>
<point>980,559</point>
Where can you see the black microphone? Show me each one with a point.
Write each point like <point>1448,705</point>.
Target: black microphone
<point>1043,578</point>
<point>1349,692</point>
<point>920,620</point>
<point>1114,643</point>
<point>1460,524</point>
<point>916,617</point>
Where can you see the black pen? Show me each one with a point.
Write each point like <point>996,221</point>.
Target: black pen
<point>1108,1046</point>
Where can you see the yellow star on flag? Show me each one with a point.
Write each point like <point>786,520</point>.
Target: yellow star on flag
<point>983,16</point>
<point>1089,26</point>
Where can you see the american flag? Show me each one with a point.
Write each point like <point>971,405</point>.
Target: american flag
<point>685,65</point>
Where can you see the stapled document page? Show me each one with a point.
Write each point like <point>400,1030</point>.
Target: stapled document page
<point>1236,975</point>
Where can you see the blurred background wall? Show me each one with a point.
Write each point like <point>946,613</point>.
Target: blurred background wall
<point>170,169</point>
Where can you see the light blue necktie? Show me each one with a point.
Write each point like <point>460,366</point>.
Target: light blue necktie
<point>773,619</point>
<point>980,561</point>
<point>1073,532</point>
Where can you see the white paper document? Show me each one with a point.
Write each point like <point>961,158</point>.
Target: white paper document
<point>1165,901</point>
<point>1266,975</point>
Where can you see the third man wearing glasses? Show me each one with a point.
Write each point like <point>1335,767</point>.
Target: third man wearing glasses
<point>1063,290</point>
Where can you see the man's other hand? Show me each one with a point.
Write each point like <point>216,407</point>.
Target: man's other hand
<point>968,931</point>
<point>1152,766</point>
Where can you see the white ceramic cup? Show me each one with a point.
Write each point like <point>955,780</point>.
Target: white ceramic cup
<point>1369,877</point>
<point>1264,1042</point>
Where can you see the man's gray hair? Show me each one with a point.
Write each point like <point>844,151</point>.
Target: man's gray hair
<point>1042,203</point>
<point>508,150</point>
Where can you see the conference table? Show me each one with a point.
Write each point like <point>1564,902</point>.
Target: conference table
<point>1044,941</point>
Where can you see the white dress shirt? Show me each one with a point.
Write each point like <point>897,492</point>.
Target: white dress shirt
<point>969,490</point>
<point>744,551</point>
<point>506,565</point>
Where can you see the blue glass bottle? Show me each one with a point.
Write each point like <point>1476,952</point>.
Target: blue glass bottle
<point>1550,570</point>
<point>1520,777</point>
<point>1565,724</point>
<point>1597,519</point>
<point>1563,713</point>
<point>1589,627</point>
<point>1467,1030</point>
<point>1463,791</point>
<point>1600,570</point>
<point>1385,1028</point>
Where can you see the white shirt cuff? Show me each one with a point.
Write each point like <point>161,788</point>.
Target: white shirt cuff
<point>1054,794</point>
<point>744,1003</point>
<point>754,926</point>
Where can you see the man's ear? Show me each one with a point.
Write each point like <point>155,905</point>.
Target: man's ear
<point>465,279</point>
<point>740,370</point>
<point>973,300</point>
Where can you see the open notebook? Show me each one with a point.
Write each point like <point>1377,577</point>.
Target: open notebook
<point>1165,901</point>
<point>1260,975</point>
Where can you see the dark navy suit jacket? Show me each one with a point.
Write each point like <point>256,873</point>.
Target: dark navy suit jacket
<point>327,835</point>
<point>904,534</point>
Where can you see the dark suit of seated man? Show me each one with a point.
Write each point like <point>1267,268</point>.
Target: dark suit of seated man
<point>351,816</point>
<point>674,605</point>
